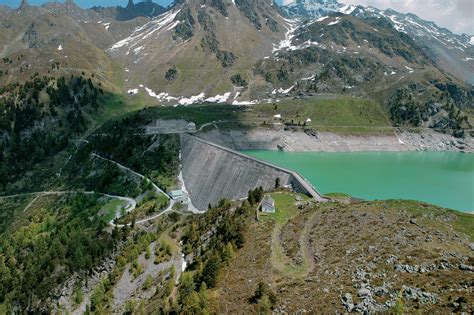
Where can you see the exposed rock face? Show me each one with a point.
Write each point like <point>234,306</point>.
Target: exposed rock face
<point>312,8</point>
<point>23,4</point>
<point>31,37</point>
<point>451,51</point>
<point>212,173</point>
<point>200,34</point>
<point>325,141</point>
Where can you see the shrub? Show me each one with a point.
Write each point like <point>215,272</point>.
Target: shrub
<point>238,80</point>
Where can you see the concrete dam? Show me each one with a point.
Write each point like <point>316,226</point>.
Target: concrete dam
<point>212,172</point>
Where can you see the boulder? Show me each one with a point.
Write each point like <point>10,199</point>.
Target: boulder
<point>381,291</point>
<point>465,267</point>
<point>363,292</point>
<point>347,302</point>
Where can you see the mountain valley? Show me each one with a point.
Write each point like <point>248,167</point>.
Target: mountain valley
<point>104,211</point>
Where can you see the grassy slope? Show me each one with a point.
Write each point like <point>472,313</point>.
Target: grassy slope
<point>111,208</point>
<point>286,209</point>
<point>199,114</point>
<point>339,114</point>
<point>338,237</point>
<point>461,221</point>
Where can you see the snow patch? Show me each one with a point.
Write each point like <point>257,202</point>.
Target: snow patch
<point>137,50</point>
<point>244,102</point>
<point>338,19</point>
<point>281,91</point>
<point>347,9</point>
<point>106,25</point>
<point>60,47</point>
<point>308,78</point>
<point>164,22</point>
<point>219,98</point>
<point>132,91</point>
<point>193,99</point>
<point>286,43</point>
<point>200,98</point>
<point>306,44</point>
<point>317,8</point>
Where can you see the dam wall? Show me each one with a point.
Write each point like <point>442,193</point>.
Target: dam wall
<point>212,172</point>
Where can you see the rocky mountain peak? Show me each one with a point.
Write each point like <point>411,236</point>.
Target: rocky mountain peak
<point>314,2</point>
<point>313,8</point>
<point>454,53</point>
<point>262,14</point>
<point>23,4</point>
<point>132,10</point>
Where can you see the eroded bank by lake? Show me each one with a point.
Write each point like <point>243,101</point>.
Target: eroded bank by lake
<point>323,141</point>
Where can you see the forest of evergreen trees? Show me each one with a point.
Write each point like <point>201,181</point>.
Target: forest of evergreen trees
<point>156,157</point>
<point>38,118</point>
<point>212,253</point>
<point>53,242</point>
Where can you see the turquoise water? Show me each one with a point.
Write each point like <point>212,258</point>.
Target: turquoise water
<point>441,178</point>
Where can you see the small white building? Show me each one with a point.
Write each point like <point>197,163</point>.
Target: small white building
<point>268,204</point>
<point>178,195</point>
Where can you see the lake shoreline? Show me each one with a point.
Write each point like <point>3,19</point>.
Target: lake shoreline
<point>441,178</point>
<point>297,141</point>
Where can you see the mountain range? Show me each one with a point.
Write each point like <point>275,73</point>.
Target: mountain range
<point>451,51</point>
<point>243,52</point>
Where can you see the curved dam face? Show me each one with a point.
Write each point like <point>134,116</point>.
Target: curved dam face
<point>212,172</point>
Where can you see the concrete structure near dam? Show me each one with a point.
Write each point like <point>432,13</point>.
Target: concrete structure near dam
<point>212,172</point>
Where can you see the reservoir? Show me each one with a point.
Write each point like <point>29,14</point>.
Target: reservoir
<point>442,178</point>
